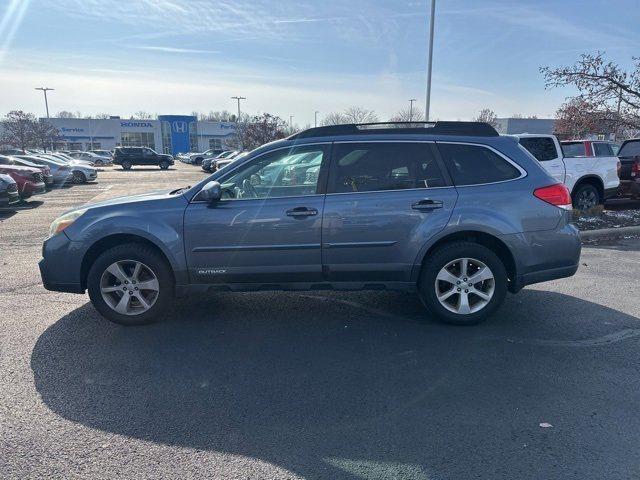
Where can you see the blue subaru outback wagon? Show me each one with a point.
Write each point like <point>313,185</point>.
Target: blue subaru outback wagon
<point>450,210</point>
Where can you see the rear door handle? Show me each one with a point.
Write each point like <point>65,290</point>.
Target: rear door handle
<point>302,212</point>
<point>427,204</point>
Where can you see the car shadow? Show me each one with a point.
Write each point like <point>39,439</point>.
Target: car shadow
<point>340,386</point>
<point>139,169</point>
<point>7,212</point>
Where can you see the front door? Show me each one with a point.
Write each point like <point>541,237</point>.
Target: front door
<point>384,201</point>
<point>267,228</point>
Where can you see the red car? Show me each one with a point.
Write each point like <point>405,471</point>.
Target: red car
<point>16,161</point>
<point>30,180</point>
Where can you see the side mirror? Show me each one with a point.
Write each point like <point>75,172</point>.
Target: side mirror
<point>211,192</point>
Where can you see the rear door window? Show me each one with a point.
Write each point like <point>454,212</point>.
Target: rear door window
<point>630,149</point>
<point>380,166</point>
<point>475,164</point>
<point>543,148</point>
<point>602,150</point>
<point>573,149</point>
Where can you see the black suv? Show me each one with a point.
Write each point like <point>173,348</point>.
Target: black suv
<point>629,155</point>
<point>126,157</point>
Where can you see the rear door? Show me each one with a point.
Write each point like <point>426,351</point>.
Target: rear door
<point>384,200</point>
<point>628,153</point>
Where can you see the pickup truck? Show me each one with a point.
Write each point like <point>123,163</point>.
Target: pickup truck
<point>591,180</point>
<point>629,155</point>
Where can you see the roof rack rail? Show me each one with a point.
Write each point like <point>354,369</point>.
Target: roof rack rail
<point>475,129</point>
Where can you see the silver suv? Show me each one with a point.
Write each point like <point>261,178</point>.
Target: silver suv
<point>450,210</point>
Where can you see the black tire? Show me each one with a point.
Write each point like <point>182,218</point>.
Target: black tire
<point>447,254</point>
<point>78,177</point>
<point>126,165</point>
<point>164,165</point>
<point>149,257</point>
<point>99,163</point>
<point>198,161</point>
<point>585,197</point>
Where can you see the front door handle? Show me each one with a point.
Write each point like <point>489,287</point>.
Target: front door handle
<point>427,204</point>
<point>302,212</point>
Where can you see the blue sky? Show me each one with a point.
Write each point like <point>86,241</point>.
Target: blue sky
<point>293,57</point>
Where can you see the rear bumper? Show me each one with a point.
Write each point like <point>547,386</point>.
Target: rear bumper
<point>610,192</point>
<point>543,256</point>
<point>629,188</point>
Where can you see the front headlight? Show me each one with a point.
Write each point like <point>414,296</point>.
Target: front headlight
<point>62,222</point>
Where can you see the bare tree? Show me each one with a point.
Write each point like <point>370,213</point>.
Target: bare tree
<point>103,116</point>
<point>608,88</point>
<point>360,115</point>
<point>17,129</point>
<point>408,115</point>
<point>215,116</point>
<point>44,134</point>
<point>487,115</point>
<point>142,115</point>
<point>68,114</point>
<point>334,118</point>
<point>262,129</point>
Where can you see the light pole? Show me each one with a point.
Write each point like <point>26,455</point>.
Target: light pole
<point>46,103</point>
<point>411,100</point>
<point>316,118</point>
<point>291,122</point>
<point>238,132</point>
<point>430,63</point>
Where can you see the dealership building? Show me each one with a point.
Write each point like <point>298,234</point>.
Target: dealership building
<point>170,134</point>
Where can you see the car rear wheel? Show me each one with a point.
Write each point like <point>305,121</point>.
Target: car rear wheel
<point>78,177</point>
<point>99,163</point>
<point>585,197</point>
<point>164,165</point>
<point>126,165</point>
<point>463,283</point>
<point>130,284</point>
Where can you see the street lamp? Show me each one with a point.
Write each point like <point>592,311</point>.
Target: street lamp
<point>238,120</point>
<point>291,121</point>
<point>428,104</point>
<point>316,118</point>
<point>46,103</point>
<point>411,100</point>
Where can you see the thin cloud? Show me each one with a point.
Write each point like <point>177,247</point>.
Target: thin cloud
<point>174,49</point>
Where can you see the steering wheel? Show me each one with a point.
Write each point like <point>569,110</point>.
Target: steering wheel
<point>247,190</point>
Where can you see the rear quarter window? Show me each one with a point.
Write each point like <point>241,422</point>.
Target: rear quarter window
<point>475,164</point>
<point>542,148</point>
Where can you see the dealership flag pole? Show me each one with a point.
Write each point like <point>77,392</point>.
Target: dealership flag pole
<point>238,121</point>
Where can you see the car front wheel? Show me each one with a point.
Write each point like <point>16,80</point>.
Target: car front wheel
<point>78,177</point>
<point>130,284</point>
<point>164,165</point>
<point>463,283</point>
<point>126,165</point>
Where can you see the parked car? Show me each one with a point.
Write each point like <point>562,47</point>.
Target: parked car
<point>92,158</point>
<point>208,164</point>
<point>60,172</point>
<point>453,211</point>
<point>224,162</point>
<point>46,171</point>
<point>30,181</point>
<point>8,191</point>
<point>629,155</point>
<point>103,153</point>
<point>81,171</point>
<point>591,180</point>
<point>198,158</point>
<point>126,157</point>
<point>12,151</point>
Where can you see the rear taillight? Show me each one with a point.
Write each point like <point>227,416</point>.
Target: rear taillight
<point>635,168</point>
<point>557,194</point>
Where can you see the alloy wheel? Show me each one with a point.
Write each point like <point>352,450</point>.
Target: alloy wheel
<point>465,286</point>
<point>129,287</point>
<point>587,199</point>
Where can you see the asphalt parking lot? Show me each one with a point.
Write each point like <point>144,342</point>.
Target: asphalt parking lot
<point>315,385</point>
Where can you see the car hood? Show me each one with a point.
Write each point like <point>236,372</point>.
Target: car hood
<point>6,179</point>
<point>143,197</point>
<point>18,169</point>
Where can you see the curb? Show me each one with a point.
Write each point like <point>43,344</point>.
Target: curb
<point>609,233</point>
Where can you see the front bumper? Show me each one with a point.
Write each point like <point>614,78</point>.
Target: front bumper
<point>60,267</point>
<point>9,198</point>
<point>31,188</point>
